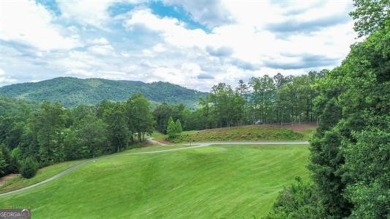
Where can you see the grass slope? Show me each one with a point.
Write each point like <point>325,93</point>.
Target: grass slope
<point>246,133</point>
<point>42,174</point>
<point>213,182</point>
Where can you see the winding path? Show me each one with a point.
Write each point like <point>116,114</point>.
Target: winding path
<point>196,145</point>
<point>47,180</point>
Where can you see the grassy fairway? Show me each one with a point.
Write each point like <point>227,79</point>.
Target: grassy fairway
<point>230,181</point>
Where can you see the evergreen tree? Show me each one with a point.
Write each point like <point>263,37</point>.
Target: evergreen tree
<point>171,128</point>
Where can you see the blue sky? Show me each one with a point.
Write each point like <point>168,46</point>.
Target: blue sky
<point>193,43</point>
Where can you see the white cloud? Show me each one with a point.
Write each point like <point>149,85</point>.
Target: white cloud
<point>151,47</point>
<point>90,12</point>
<point>29,23</point>
<point>101,46</point>
<point>211,13</point>
<point>249,40</point>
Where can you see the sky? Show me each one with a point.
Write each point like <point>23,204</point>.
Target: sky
<point>192,43</point>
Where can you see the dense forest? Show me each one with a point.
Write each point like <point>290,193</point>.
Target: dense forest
<point>350,152</point>
<point>72,92</point>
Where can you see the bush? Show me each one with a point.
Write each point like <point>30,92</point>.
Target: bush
<point>298,200</point>
<point>28,168</point>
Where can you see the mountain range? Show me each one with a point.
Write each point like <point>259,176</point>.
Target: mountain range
<point>74,91</point>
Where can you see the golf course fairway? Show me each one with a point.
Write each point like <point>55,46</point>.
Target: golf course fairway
<point>218,181</point>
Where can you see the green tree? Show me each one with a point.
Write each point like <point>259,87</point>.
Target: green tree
<point>139,114</point>
<point>369,188</point>
<point>161,115</point>
<point>174,129</point>
<point>86,138</point>
<point>370,15</point>
<point>355,101</point>
<point>171,128</point>
<point>225,106</point>
<point>243,90</point>
<point>178,127</point>
<point>4,160</point>
<point>262,98</point>
<point>196,120</point>
<point>117,128</point>
<point>50,122</point>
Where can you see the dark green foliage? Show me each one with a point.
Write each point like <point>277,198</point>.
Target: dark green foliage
<point>72,92</point>
<point>49,123</point>
<point>350,152</point>
<point>196,120</point>
<point>86,138</point>
<point>368,172</point>
<point>298,200</point>
<point>14,107</point>
<point>11,130</point>
<point>163,112</point>
<point>226,105</point>
<point>5,160</point>
<point>140,117</point>
<point>161,115</point>
<point>52,133</point>
<point>118,132</point>
<point>263,100</point>
<point>28,167</point>
<point>326,160</point>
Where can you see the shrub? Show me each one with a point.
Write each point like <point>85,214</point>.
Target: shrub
<point>298,200</point>
<point>28,168</point>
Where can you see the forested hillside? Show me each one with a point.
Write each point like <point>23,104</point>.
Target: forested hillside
<point>13,107</point>
<point>73,91</point>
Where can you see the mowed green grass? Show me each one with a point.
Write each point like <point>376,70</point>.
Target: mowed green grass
<point>42,174</point>
<point>229,181</point>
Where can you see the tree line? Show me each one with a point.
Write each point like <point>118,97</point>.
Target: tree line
<point>53,133</point>
<point>278,99</point>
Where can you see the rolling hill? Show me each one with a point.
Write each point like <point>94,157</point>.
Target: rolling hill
<point>74,91</point>
<point>219,181</point>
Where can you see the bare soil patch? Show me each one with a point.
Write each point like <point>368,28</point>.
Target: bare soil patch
<point>7,177</point>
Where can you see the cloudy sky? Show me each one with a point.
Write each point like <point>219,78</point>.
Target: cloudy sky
<point>193,43</point>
